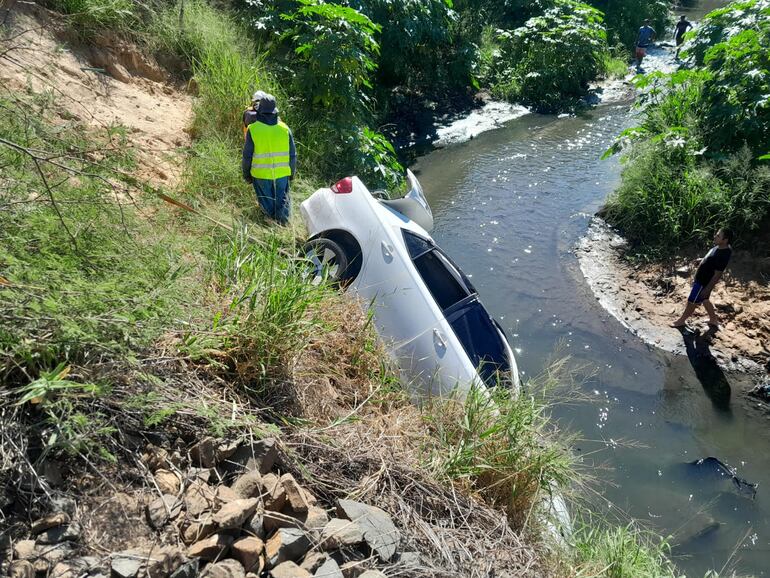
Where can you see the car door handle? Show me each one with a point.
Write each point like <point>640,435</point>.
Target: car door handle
<point>387,252</point>
<point>438,340</point>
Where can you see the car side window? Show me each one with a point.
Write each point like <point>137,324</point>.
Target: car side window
<point>445,282</point>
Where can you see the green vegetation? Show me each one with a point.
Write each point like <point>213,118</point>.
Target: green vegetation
<point>621,551</point>
<point>695,161</point>
<point>501,447</point>
<point>548,62</point>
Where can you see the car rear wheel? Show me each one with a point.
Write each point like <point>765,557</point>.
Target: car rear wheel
<point>327,260</point>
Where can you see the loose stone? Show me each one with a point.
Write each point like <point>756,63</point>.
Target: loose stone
<point>289,570</point>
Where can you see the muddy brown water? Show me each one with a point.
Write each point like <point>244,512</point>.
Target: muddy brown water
<point>509,207</point>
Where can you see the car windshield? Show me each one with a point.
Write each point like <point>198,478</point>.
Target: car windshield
<point>444,280</point>
<point>482,341</point>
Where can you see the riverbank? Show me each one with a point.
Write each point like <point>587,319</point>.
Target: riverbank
<point>647,297</point>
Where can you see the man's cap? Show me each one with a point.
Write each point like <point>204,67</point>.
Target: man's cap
<point>257,96</point>
<point>267,105</point>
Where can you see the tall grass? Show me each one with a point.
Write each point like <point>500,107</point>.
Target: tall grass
<point>620,552</point>
<point>500,446</point>
<point>92,16</point>
<point>273,310</point>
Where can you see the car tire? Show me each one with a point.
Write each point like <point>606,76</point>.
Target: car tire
<point>327,259</point>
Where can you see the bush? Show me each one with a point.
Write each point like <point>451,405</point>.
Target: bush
<point>624,17</point>
<point>552,57</point>
<point>693,163</point>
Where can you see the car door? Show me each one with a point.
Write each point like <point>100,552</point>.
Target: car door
<point>389,283</point>
<point>435,360</point>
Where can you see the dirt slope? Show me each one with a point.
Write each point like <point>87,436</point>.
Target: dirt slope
<point>104,83</point>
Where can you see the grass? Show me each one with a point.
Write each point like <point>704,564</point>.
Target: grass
<point>614,67</point>
<point>501,446</point>
<point>668,198</point>
<point>620,551</point>
<point>92,16</point>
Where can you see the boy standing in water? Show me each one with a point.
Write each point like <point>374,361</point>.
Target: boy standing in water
<point>708,274</point>
<point>643,40</point>
<point>679,32</point>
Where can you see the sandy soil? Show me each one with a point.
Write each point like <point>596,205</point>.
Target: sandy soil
<point>129,89</point>
<point>647,298</point>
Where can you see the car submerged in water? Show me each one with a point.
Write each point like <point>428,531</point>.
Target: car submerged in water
<point>425,309</point>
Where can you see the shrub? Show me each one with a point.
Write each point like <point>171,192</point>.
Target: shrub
<point>552,57</point>
<point>694,163</point>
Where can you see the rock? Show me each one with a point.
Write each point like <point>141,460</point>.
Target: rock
<point>372,574</point>
<point>161,510</point>
<point>289,570</point>
<point>187,570</point>
<point>154,457</point>
<point>409,559</point>
<point>313,561</point>
<point>163,561</point>
<point>235,513</point>
<point>168,482</point>
<point>286,544</point>
<point>225,494</point>
<point>210,548</point>
<point>316,519</point>
<point>340,534</point>
<point>249,485</point>
<point>50,555</point>
<point>52,521</point>
<point>64,504</point>
<point>275,498</point>
<point>76,567</point>
<point>329,569</point>
<point>259,456</point>
<point>353,569</point>
<point>68,533</point>
<point>198,498</point>
<point>204,453</point>
<point>255,525</point>
<point>225,569</point>
<point>313,520</point>
<point>42,566</point>
<point>24,550</point>
<point>21,569</point>
<point>248,551</point>
<point>274,520</point>
<point>127,564</point>
<point>294,494</point>
<point>118,72</point>
<point>380,533</point>
<point>199,529</point>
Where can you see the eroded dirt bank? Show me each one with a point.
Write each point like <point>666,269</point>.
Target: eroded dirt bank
<point>647,297</point>
<point>104,84</point>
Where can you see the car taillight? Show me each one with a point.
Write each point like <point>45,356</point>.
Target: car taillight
<point>343,186</point>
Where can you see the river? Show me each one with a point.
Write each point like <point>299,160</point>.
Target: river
<point>509,207</point>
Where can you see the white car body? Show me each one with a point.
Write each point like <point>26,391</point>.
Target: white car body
<point>431,353</point>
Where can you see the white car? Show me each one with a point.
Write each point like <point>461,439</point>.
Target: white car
<point>425,309</point>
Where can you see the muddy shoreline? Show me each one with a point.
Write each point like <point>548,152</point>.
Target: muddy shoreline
<point>647,297</point>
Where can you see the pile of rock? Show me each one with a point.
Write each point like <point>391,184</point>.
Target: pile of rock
<point>262,524</point>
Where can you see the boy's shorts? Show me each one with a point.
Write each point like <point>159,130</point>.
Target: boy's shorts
<point>696,295</point>
<point>641,51</point>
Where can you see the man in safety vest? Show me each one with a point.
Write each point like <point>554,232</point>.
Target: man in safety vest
<point>269,159</point>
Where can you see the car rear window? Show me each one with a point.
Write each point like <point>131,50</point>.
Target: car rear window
<point>482,342</point>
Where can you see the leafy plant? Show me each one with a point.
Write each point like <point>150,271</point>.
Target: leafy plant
<point>552,57</point>
<point>336,46</point>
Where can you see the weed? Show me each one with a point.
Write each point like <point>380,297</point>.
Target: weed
<point>497,444</point>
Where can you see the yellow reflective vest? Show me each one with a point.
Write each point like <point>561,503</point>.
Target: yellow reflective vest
<point>271,150</point>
